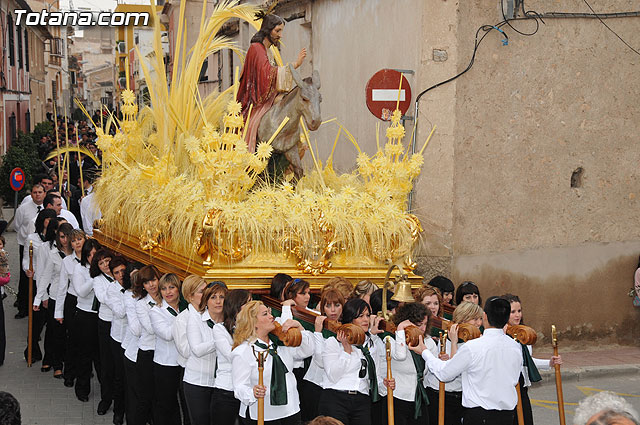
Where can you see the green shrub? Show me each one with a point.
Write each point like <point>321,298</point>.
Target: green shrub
<point>44,128</point>
<point>23,153</point>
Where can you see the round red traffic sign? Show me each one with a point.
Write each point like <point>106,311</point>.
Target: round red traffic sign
<point>16,179</point>
<point>382,93</point>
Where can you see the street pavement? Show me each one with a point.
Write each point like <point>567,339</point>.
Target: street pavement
<point>45,400</point>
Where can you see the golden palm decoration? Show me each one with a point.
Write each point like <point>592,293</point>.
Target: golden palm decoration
<point>178,174</point>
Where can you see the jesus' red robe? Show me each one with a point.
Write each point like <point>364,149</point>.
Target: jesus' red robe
<point>259,86</point>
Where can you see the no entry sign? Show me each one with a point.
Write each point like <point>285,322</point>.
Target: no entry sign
<point>16,179</point>
<point>382,93</point>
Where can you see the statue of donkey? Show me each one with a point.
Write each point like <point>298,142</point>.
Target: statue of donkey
<point>303,101</point>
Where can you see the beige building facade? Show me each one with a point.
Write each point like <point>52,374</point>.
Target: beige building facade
<point>530,183</point>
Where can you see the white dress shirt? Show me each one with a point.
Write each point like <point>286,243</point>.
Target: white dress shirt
<point>100,285</point>
<point>64,283</point>
<point>180,334</point>
<point>37,242</point>
<point>89,212</point>
<point>432,381</point>
<point>223,342</point>
<point>342,369</point>
<point>245,377</point>
<point>541,364</point>
<point>49,276</point>
<point>200,368</point>
<point>147,340</point>
<point>24,220</point>
<point>132,335</point>
<point>71,219</point>
<point>315,373</point>
<point>115,301</point>
<point>403,367</point>
<point>162,321</point>
<point>82,284</point>
<point>28,199</point>
<point>490,367</point>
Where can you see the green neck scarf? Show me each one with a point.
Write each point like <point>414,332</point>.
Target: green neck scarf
<point>421,399</point>
<point>371,369</point>
<point>278,387</point>
<point>534,375</point>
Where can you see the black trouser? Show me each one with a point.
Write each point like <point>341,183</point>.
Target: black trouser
<point>23,287</point>
<point>131,389</point>
<point>289,420</point>
<point>453,409</point>
<point>526,405</point>
<point>70,351</point>
<point>39,320</point>
<point>379,412</point>
<point>200,403</point>
<point>183,400</point>
<point>118,377</point>
<point>225,406</point>
<point>167,380</point>
<point>85,333</point>
<point>480,416</point>
<point>3,334</point>
<point>307,412</point>
<point>309,400</point>
<point>404,412</point>
<point>145,385</point>
<point>54,339</point>
<point>351,409</point>
<point>107,367</point>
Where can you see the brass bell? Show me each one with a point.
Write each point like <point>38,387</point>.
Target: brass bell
<point>403,291</point>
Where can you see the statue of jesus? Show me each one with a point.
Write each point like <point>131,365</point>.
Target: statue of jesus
<point>261,79</point>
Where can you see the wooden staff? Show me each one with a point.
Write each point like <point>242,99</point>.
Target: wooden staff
<point>390,413</point>
<point>441,391</point>
<point>519,410</point>
<point>59,158</point>
<point>79,160</point>
<point>554,341</point>
<point>30,332</point>
<point>66,138</point>
<point>260,356</point>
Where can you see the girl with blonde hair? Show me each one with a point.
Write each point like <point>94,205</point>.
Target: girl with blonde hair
<point>192,288</point>
<point>200,373</point>
<point>363,290</point>
<point>466,312</point>
<point>251,336</point>
<point>166,371</point>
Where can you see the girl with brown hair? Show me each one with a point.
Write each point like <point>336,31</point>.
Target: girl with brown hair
<point>148,294</point>
<point>225,404</point>
<point>200,373</point>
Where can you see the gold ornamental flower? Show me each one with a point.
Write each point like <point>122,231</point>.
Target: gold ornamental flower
<point>128,97</point>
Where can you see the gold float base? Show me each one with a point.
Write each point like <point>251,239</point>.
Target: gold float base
<point>251,273</point>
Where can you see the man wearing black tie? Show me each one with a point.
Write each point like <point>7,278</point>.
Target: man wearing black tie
<point>490,367</point>
<point>24,225</point>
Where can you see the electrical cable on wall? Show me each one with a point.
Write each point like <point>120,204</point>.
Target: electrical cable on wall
<point>528,15</point>
<point>609,28</point>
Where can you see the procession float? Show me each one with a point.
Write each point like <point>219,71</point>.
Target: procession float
<point>179,188</point>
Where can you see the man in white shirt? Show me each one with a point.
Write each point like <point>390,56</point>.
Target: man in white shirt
<point>53,200</point>
<point>89,207</point>
<point>490,367</point>
<point>24,224</point>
